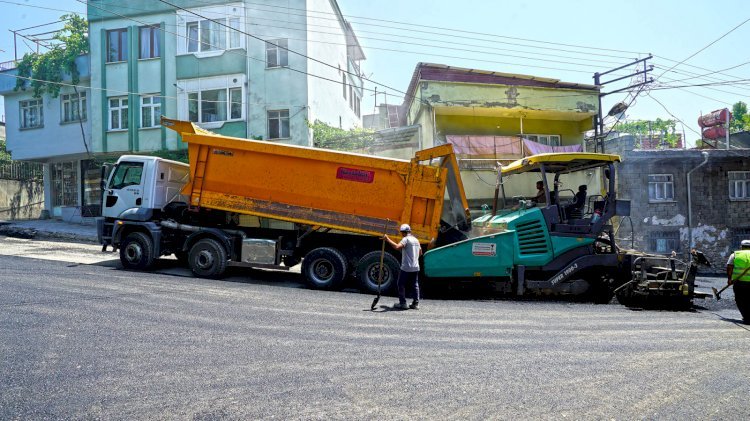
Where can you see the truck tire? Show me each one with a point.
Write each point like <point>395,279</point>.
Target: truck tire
<point>324,268</point>
<point>137,251</point>
<point>368,268</point>
<point>208,259</point>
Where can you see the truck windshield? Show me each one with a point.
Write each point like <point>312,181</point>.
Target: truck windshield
<point>126,174</point>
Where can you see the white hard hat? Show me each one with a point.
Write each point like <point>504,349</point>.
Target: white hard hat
<point>405,228</point>
<point>745,243</point>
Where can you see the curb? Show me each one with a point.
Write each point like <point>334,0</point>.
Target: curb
<point>31,233</point>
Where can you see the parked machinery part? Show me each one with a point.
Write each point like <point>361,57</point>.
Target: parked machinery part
<point>208,258</point>
<point>368,268</point>
<point>137,251</point>
<point>324,268</point>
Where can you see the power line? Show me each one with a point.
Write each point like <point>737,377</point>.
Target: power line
<point>411,26</point>
<point>400,41</point>
<point>673,116</point>
<point>702,49</point>
<point>285,48</point>
<point>445,48</point>
<point>239,53</point>
<point>693,66</point>
<point>714,72</point>
<point>37,7</point>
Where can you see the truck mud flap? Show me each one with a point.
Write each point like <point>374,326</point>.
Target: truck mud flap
<point>577,265</point>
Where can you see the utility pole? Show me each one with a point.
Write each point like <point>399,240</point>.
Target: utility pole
<point>599,123</point>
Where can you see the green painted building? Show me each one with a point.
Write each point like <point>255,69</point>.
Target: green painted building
<point>223,65</point>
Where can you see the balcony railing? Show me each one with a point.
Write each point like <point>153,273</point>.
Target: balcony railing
<point>8,65</point>
<point>20,170</point>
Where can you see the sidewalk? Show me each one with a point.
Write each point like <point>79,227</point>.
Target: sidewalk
<point>49,228</point>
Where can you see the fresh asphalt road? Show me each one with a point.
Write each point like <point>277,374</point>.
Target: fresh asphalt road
<point>93,341</point>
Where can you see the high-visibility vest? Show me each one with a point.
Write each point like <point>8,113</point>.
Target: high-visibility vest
<point>741,270</point>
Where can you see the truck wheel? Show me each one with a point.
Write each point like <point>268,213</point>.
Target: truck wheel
<point>208,259</point>
<point>368,268</point>
<point>136,252</point>
<point>324,268</point>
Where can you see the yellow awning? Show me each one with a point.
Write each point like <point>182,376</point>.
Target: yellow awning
<point>563,162</point>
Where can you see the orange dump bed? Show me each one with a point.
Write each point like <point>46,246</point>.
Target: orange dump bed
<point>323,188</point>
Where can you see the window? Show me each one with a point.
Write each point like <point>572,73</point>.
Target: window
<point>664,242</point>
<point>278,124</point>
<point>215,105</point>
<point>64,183</point>
<point>150,111</point>
<point>117,45</point>
<point>544,139</point>
<point>739,185</point>
<point>73,107</point>
<point>277,54</point>
<point>31,114</point>
<point>127,174</point>
<point>212,34</point>
<point>343,84</point>
<point>235,103</point>
<point>149,41</point>
<point>118,113</point>
<point>660,188</point>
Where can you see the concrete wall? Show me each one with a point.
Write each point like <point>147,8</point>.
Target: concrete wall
<point>21,199</point>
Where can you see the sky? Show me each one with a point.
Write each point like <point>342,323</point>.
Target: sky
<point>566,40</point>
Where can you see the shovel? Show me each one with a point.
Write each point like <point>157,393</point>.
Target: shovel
<point>380,270</point>
<point>717,293</point>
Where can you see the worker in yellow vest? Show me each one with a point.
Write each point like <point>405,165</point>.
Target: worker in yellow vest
<point>738,275</point>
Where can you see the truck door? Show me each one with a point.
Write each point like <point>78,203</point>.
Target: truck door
<point>125,189</point>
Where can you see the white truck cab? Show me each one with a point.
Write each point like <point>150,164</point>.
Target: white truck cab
<point>137,185</point>
<point>136,190</point>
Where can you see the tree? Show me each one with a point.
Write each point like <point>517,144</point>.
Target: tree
<point>740,118</point>
<point>329,137</point>
<point>662,129</point>
<point>44,72</point>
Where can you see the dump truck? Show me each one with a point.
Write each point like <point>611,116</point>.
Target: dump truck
<point>561,246</point>
<point>328,209</point>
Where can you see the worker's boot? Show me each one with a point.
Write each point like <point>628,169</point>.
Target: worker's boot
<point>414,305</point>
<point>400,306</point>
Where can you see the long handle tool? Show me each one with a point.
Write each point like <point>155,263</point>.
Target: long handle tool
<point>380,269</point>
<point>717,293</point>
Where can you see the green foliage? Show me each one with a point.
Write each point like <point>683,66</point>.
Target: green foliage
<point>663,128</point>
<point>48,68</point>
<point>4,155</point>
<point>179,156</point>
<point>740,118</point>
<point>329,137</point>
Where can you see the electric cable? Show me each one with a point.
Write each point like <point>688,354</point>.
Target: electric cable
<point>704,48</point>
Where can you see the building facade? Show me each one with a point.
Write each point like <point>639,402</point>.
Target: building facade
<point>683,199</point>
<point>246,69</point>
<point>56,131</point>
<point>251,70</point>
<point>489,115</point>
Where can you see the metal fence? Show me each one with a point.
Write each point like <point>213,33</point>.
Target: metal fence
<point>20,170</point>
<point>7,65</point>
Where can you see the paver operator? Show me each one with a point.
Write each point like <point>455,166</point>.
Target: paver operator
<point>738,275</point>
<point>409,275</point>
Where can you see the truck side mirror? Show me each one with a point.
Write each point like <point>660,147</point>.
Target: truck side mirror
<point>106,169</point>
